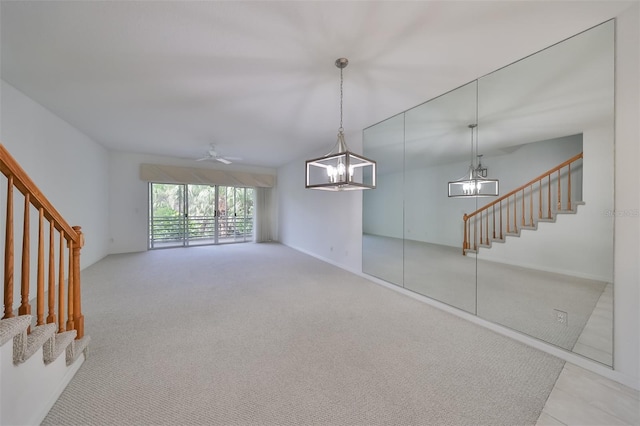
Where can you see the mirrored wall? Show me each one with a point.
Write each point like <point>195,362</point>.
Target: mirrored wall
<point>537,258</point>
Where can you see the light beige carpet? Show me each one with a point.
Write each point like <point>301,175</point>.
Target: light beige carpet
<point>252,334</point>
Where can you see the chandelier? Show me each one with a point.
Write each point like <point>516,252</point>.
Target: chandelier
<point>340,169</point>
<point>475,183</point>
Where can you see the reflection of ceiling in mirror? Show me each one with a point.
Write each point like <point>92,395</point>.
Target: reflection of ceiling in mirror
<point>384,144</point>
<point>559,91</point>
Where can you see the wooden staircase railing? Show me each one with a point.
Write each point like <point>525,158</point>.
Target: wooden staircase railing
<point>69,298</point>
<point>514,211</point>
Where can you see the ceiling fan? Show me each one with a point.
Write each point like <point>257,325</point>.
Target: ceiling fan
<point>212,155</point>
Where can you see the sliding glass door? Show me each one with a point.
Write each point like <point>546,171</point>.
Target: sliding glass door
<point>201,208</point>
<point>167,215</point>
<point>188,215</point>
<point>235,214</point>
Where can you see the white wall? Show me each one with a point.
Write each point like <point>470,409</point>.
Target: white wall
<point>29,390</point>
<point>626,339</point>
<point>128,210</point>
<point>314,221</point>
<point>325,224</point>
<point>68,167</point>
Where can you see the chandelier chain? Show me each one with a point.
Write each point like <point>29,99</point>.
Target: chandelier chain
<point>471,126</point>
<point>341,97</point>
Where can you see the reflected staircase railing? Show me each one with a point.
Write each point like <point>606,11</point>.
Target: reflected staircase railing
<point>546,195</point>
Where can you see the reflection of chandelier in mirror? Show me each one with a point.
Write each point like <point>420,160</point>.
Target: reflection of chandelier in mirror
<point>475,183</point>
<point>340,170</point>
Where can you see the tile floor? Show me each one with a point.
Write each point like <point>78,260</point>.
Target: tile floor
<point>581,397</point>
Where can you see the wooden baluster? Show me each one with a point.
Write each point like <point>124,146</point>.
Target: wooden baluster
<point>51,318</point>
<point>475,233</point>
<point>549,198</point>
<point>465,242</point>
<point>515,210</point>
<point>40,270</point>
<point>25,307</point>
<point>569,188</point>
<point>522,222</point>
<point>540,199</point>
<point>70,282</point>
<point>61,307</point>
<point>508,217</point>
<point>481,227</point>
<point>493,215</point>
<point>77,303</point>
<point>531,205</point>
<point>486,218</point>
<point>8,253</point>
<point>559,191</point>
<point>501,235</point>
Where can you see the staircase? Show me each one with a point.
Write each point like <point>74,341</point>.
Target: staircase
<point>32,368</point>
<point>539,200</point>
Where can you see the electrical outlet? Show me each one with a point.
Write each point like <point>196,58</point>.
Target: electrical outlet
<point>561,317</point>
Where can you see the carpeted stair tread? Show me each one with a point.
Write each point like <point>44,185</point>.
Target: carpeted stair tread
<point>11,327</point>
<point>58,344</point>
<point>76,348</point>
<point>22,350</point>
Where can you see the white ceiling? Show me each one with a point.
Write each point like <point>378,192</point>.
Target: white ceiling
<point>258,78</point>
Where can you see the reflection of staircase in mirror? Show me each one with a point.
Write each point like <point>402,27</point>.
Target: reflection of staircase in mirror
<point>539,200</point>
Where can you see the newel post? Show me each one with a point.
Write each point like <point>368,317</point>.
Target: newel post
<point>77,294</point>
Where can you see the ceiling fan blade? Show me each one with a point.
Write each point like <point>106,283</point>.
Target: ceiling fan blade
<point>223,160</point>
<point>203,159</point>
